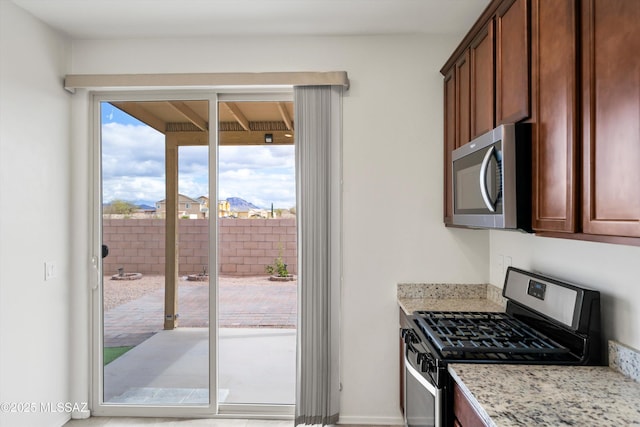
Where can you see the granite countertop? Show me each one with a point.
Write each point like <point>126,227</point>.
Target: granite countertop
<point>449,297</point>
<point>542,395</point>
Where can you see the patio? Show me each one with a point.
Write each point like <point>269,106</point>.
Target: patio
<point>256,347</point>
<point>134,310</point>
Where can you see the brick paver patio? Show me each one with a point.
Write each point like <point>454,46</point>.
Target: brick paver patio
<point>250,302</point>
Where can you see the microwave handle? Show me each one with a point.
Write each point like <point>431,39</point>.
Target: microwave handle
<point>483,181</point>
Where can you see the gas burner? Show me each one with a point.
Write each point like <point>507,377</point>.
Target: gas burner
<point>479,332</point>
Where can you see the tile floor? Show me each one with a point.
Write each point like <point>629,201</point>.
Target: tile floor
<point>175,422</point>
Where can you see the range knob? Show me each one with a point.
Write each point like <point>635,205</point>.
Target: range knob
<point>427,363</point>
<point>408,336</point>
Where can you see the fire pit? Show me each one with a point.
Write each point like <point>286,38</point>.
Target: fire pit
<point>126,276</point>
<point>200,277</point>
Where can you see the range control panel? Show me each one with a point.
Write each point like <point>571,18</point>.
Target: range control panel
<point>552,298</point>
<point>537,289</point>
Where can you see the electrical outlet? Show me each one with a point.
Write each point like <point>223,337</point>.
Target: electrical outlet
<point>507,263</point>
<point>500,263</point>
<point>49,270</point>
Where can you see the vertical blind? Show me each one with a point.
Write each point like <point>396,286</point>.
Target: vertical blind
<point>318,170</point>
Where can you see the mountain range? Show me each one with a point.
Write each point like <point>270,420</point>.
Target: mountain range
<point>240,205</point>
<point>237,204</point>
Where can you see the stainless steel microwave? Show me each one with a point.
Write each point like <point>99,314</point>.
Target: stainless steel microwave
<point>492,180</point>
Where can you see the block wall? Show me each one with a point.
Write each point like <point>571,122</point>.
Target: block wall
<point>245,246</point>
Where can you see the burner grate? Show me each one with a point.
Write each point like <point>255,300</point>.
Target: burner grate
<point>480,332</point>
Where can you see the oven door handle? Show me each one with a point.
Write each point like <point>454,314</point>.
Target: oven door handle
<point>418,377</point>
<point>483,179</point>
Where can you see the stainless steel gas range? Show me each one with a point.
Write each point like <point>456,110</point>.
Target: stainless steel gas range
<point>547,321</point>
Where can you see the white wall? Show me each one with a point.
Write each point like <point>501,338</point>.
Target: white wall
<point>392,177</point>
<point>35,220</point>
<point>614,270</point>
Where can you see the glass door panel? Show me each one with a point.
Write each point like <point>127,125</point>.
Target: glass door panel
<point>155,347</point>
<point>257,255</point>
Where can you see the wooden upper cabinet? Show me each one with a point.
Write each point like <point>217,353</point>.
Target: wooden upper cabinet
<point>611,117</point>
<point>482,78</point>
<point>463,100</point>
<point>554,132</point>
<point>512,62</point>
<point>449,140</point>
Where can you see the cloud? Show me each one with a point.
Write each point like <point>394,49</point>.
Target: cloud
<point>129,150</point>
<point>139,189</point>
<point>256,156</point>
<point>133,164</point>
<point>261,175</point>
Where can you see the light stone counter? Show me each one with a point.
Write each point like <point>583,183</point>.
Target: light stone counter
<point>449,297</point>
<point>540,395</point>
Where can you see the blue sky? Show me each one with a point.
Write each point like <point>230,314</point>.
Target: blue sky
<point>133,167</point>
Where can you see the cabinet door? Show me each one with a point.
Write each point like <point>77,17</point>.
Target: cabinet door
<point>554,87</point>
<point>512,62</point>
<point>449,140</point>
<point>611,117</point>
<point>482,77</point>
<point>463,100</point>
<point>404,324</point>
<point>465,414</point>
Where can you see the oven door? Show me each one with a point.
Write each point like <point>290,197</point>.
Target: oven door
<point>477,181</point>
<point>422,399</point>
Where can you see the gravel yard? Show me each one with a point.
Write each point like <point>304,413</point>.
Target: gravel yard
<point>117,292</point>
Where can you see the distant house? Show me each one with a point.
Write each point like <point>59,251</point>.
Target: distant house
<point>187,207</point>
<point>224,208</point>
<point>204,206</point>
<point>253,213</point>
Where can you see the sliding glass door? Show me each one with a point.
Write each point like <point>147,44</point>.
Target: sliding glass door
<point>154,345</point>
<point>181,326</point>
<point>257,229</point>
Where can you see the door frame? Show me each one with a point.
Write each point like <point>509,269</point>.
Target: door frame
<point>213,410</point>
<point>253,410</point>
<point>98,407</point>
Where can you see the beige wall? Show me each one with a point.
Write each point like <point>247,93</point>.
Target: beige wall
<point>245,246</point>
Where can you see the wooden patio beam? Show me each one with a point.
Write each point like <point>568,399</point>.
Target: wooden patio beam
<point>253,138</point>
<point>171,235</point>
<point>237,114</point>
<point>136,110</point>
<point>285,115</point>
<point>190,115</point>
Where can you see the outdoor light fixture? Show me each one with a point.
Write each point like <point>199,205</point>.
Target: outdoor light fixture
<point>268,138</point>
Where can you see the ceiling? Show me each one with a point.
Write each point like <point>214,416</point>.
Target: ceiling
<point>116,19</point>
<point>244,123</point>
<point>239,123</point>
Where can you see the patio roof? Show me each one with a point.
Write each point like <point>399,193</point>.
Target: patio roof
<point>239,123</point>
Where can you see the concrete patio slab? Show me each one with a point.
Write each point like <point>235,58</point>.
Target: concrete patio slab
<point>256,366</point>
